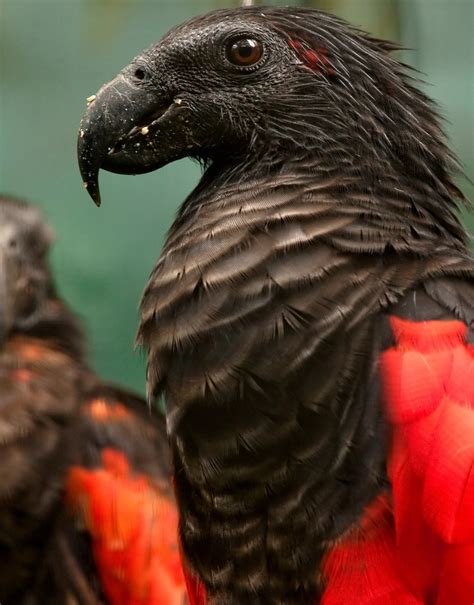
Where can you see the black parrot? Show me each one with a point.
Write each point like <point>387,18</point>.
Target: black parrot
<point>86,511</point>
<point>309,319</point>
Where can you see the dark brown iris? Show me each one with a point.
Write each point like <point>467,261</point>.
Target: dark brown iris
<point>244,52</point>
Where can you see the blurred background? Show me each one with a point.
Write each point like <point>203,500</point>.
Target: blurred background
<point>55,53</point>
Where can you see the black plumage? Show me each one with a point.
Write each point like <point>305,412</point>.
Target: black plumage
<point>46,426</point>
<point>326,203</point>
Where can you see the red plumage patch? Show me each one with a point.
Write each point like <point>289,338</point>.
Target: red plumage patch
<point>22,375</point>
<point>196,590</point>
<point>102,410</point>
<point>428,379</point>
<point>134,529</point>
<point>418,548</point>
<point>415,547</point>
<point>361,568</point>
<point>317,59</point>
<point>32,350</point>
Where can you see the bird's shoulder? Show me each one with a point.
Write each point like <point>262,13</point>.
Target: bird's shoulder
<point>39,399</point>
<point>119,500</point>
<point>427,378</point>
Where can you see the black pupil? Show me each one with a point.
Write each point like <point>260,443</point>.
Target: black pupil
<point>245,48</point>
<point>140,73</point>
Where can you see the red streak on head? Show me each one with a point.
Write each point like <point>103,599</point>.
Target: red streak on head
<point>315,58</point>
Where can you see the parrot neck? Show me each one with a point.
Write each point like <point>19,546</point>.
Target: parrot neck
<point>252,296</point>
<point>55,325</point>
<point>377,199</point>
<point>264,320</point>
<point>394,164</point>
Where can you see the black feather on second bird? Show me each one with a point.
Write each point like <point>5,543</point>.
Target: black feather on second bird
<point>46,426</point>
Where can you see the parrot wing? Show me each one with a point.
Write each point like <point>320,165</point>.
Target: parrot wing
<point>38,399</point>
<point>119,495</point>
<point>87,514</point>
<point>415,544</point>
<point>428,377</point>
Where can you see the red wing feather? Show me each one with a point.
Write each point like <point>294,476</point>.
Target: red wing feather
<point>361,569</point>
<point>429,392</point>
<point>134,532</point>
<point>196,590</point>
<point>418,547</point>
<point>412,548</point>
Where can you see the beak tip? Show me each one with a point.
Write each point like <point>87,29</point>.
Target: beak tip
<point>92,189</point>
<point>95,195</point>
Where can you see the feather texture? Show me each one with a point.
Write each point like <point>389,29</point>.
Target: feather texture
<point>280,320</point>
<point>133,528</point>
<point>87,514</point>
<point>430,401</point>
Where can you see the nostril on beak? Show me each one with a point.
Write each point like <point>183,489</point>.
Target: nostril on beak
<point>141,74</point>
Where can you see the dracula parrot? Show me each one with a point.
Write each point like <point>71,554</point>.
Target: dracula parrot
<point>87,515</point>
<point>310,319</point>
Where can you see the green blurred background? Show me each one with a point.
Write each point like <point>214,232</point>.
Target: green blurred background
<point>54,53</point>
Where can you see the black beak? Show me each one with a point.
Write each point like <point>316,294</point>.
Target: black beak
<point>129,129</point>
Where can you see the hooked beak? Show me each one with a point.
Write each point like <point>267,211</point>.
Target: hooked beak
<point>129,129</point>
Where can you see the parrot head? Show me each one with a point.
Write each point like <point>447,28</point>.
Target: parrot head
<point>25,279</point>
<point>261,91</point>
<point>253,86</point>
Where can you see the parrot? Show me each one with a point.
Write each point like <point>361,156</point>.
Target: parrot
<point>309,322</point>
<point>87,513</point>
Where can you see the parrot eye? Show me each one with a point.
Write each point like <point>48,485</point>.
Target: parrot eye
<point>244,52</point>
